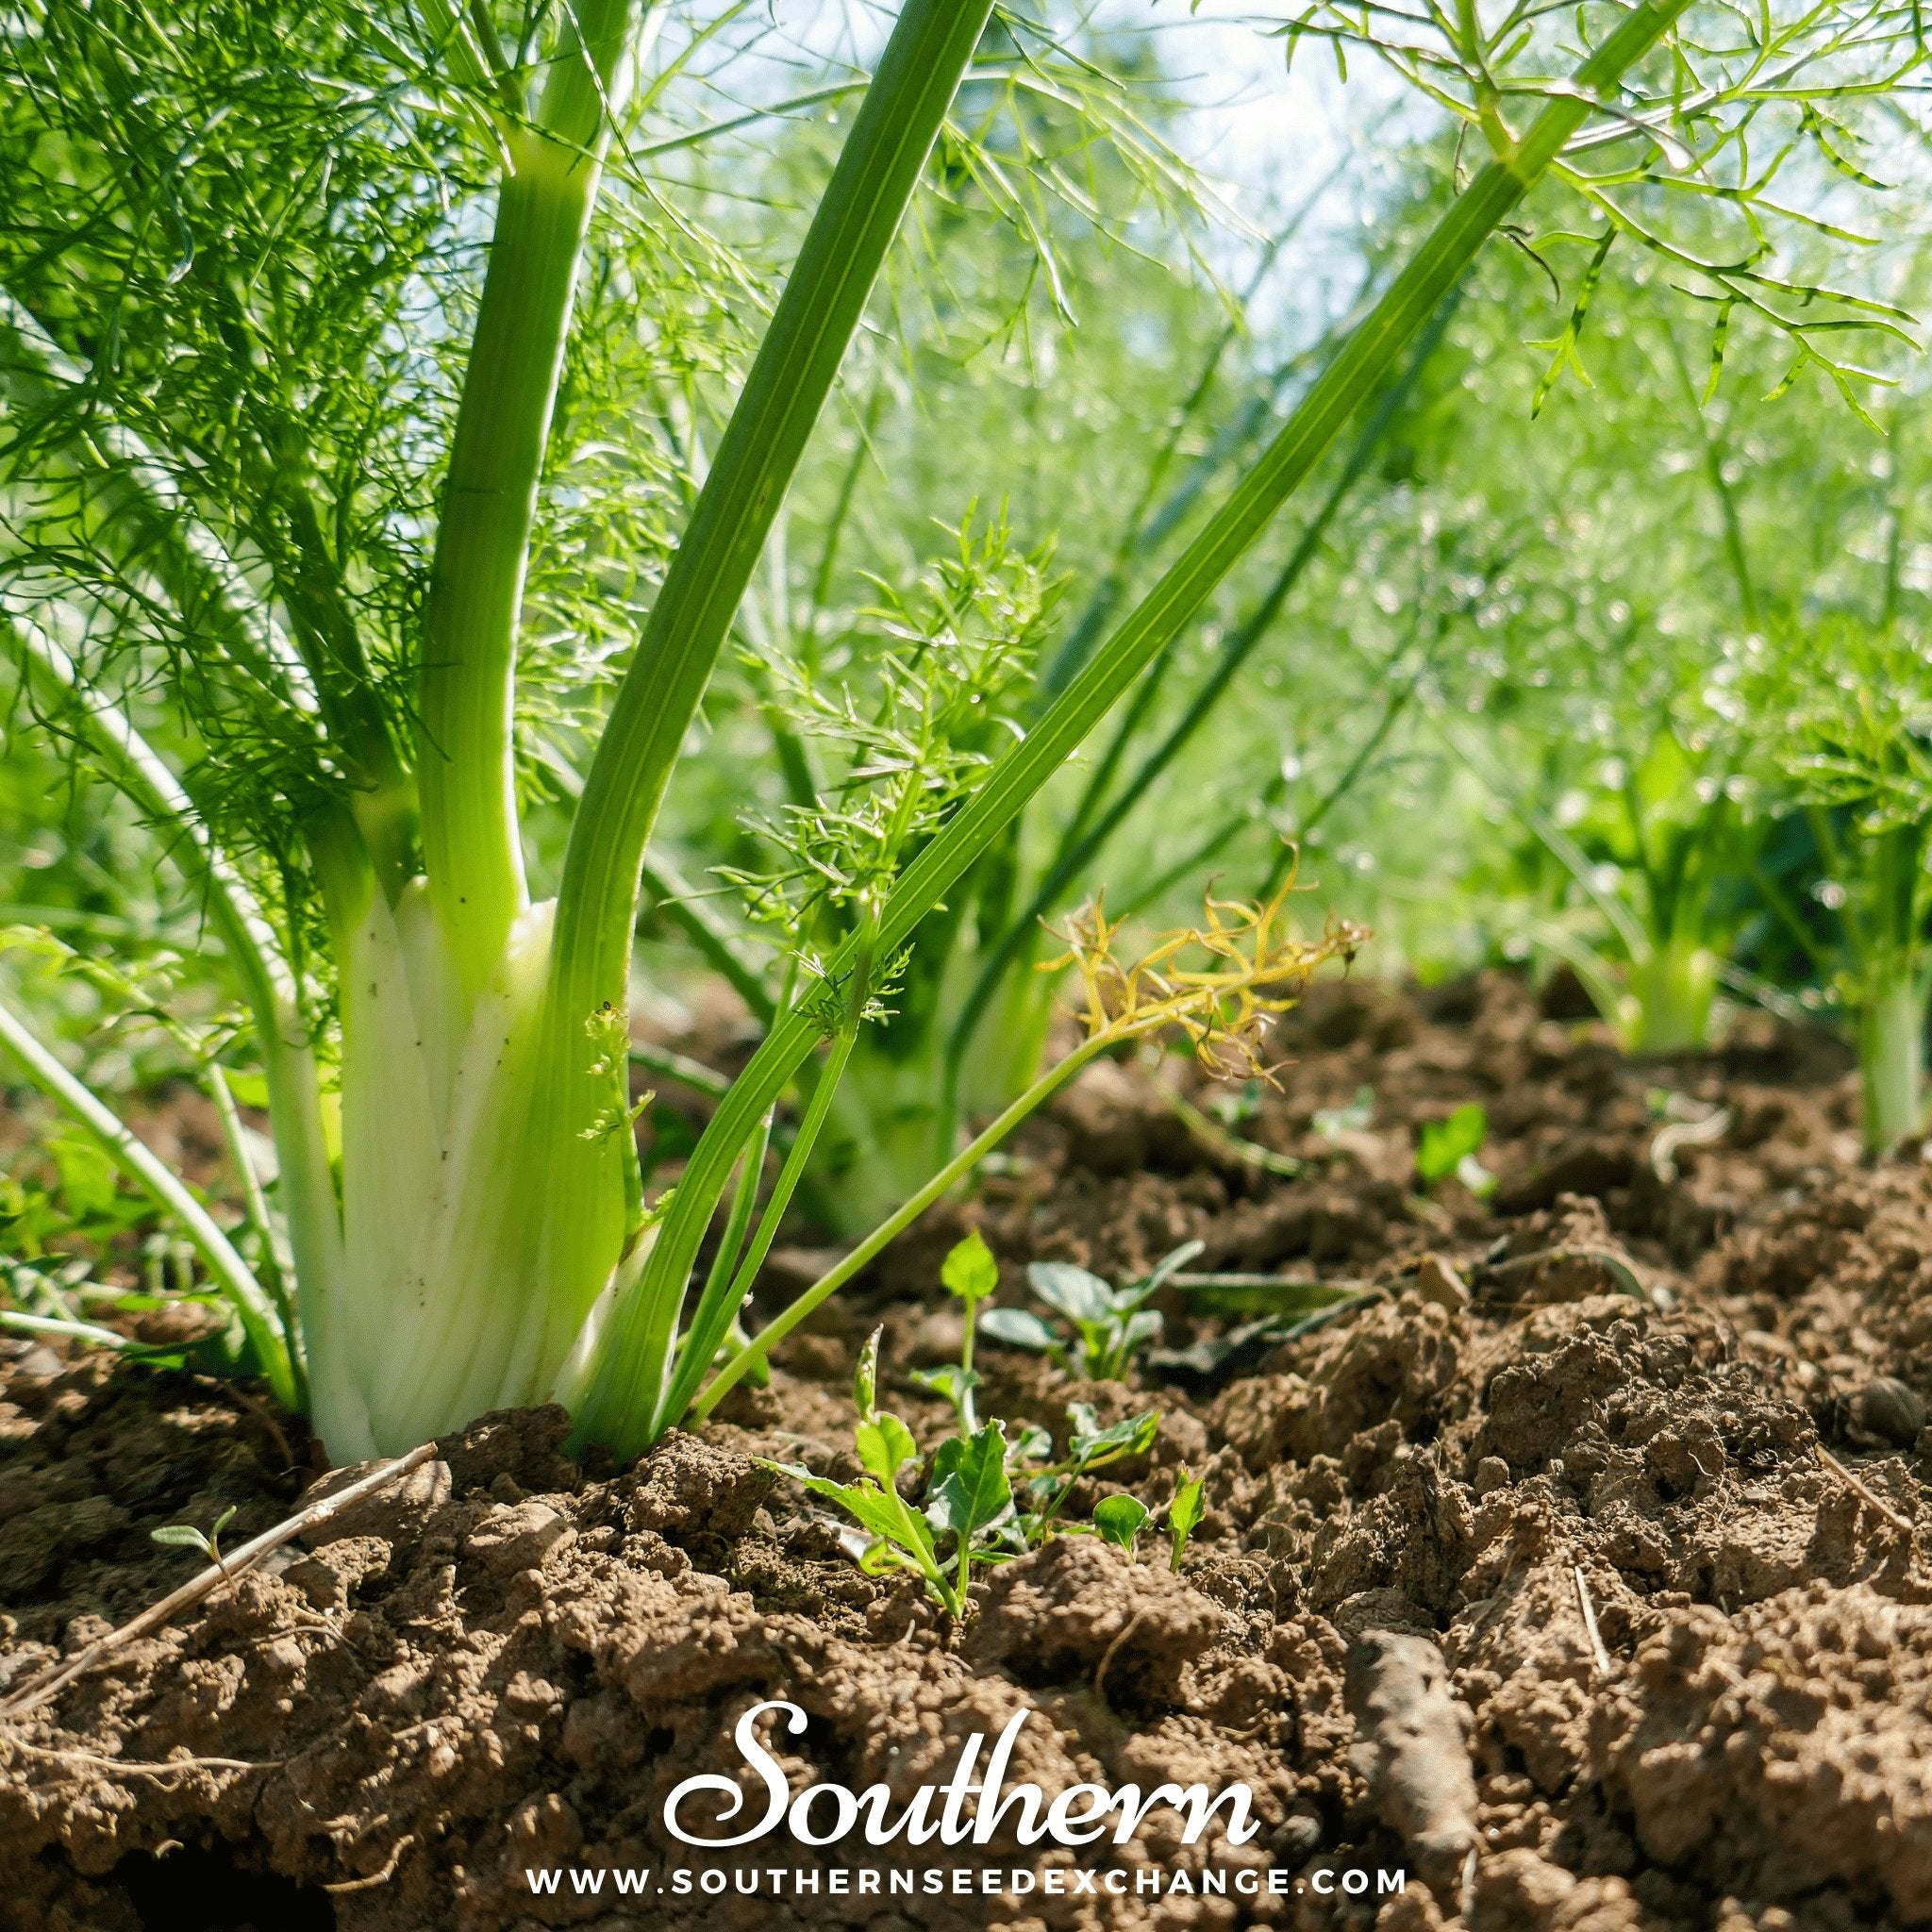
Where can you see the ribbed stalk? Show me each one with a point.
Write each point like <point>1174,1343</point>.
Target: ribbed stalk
<point>797,364</point>
<point>625,1396</point>
<point>466,772</point>
<point>783,395</point>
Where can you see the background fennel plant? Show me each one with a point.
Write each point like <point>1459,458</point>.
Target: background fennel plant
<point>1847,704</point>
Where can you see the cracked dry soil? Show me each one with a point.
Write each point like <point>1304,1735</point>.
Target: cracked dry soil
<point>1381,1628</point>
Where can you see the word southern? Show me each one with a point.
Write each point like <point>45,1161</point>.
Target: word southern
<point>825,1814</point>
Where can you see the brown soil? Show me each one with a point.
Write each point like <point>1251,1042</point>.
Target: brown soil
<point>1381,1628</point>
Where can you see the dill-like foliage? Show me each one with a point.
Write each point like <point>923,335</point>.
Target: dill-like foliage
<point>944,669</point>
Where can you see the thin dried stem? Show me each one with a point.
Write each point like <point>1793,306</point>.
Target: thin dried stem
<point>51,1683</point>
<point>1865,1493</point>
<point>1605,1668</point>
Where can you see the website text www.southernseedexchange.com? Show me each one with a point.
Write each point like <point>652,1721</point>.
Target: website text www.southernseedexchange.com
<point>845,1881</point>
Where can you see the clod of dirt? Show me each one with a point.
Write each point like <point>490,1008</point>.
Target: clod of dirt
<point>1080,1609</point>
<point>688,1487</point>
<point>1414,1750</point>
<point>1520,1890</point>
<point>1785,1753</point>
<point>1393,1362</point>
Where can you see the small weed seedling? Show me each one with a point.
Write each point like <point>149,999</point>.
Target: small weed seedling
<point>971,1513</point>
<point>1090,1448</point>
<point>1451,1147</point>
<point>184,1536</point>
<point>968,1498</point>
<point>970,1272</point>
<point>1110,1325</point>
<point>1183,1517</point>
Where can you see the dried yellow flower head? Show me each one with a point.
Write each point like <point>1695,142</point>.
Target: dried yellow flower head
<point>1219,982</point>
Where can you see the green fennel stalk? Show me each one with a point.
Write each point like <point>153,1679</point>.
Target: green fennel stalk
<point>626,1406</point>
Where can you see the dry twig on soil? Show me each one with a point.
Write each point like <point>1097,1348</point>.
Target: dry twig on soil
<point>51,1683</point>
<point>1865,1493</point>
<point>1604,1665</point>
<point>174,1767</point>
<point>1414,1749</point>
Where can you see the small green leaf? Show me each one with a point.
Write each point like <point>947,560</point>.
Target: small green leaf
<point>1018,1329</point>
<point>87,1177</point>
<point>1096,1343</point>
<point>249,1089</point>
<point>970,1271</point>
<point>865,1382</point>
<point>180,1536</point>
<point>1092,1445</point>
<point>1081,1297</point>
<point>1167,1265</point>
<point>1256,1294</point>
<point>874,1508</point>
<point>885,1445</point>
<point>975,1490</point>
<point>885,1515</point>
<point>949,1380</point>
<point>1184,1514</point>
<point>945,1459</point>
<point>1442,1146</point>
<point>1119,1520</point>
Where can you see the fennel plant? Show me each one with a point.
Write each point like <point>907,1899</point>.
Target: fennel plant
<point>299,392</point>
<point>1653,848</point>
<point>1848,708</point>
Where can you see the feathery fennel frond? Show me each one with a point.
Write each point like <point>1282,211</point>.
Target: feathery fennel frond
<point>944,679</point>
<point>1723,170</point>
